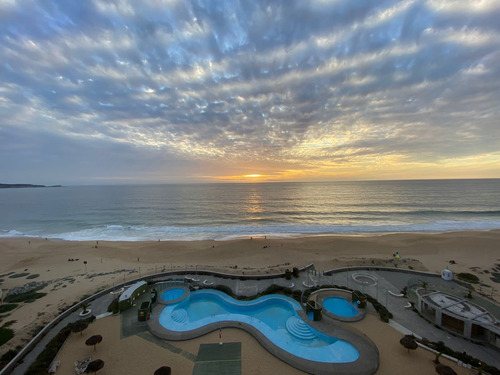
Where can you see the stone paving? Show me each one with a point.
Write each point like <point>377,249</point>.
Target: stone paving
<point>389,284</point>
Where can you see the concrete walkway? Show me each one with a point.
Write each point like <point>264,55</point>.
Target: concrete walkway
<point>386,281</point>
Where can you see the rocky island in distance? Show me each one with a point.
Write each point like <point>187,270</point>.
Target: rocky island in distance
<point>8,186</point>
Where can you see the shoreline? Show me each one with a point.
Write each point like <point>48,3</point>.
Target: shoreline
<point>261,236</point>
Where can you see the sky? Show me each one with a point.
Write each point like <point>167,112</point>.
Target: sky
<point>166,91</point>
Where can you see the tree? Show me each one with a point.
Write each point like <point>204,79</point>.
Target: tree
<point>408,342</point>
<point>94,340</point>
<point>85,306</point>
<point>436,359</point>
<point>425,284</point>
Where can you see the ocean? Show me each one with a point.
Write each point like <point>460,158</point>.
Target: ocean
<point>228,211</point>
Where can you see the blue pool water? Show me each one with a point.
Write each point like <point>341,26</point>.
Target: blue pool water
<point>173,294</point>
<point>274,315</point>
<point>339,306</point>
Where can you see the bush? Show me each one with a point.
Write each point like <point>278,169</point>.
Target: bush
<point>468,277</point>
<point>46,357</point>
<point>225,289</point>
<point>384,314</point>
<point>25,297</point>
<point>7,307</point>
<point>114,306</point>
<point>295,272</point>
<point>5,335</point>
<point>288,274</point>
<point>359,296</point>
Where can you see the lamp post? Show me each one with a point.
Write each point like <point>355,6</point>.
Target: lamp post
<point>85,263</point>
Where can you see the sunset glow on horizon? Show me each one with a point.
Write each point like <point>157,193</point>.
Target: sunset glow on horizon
<point>96,92</point>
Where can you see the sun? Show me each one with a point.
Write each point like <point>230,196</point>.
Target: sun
<point>252,175</point>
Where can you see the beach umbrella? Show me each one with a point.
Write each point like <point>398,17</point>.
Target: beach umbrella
<point>163,370</point>
<point>95,366</point>
<point>79,326</point>
<point>93,340</point>
<point>408,342</point>
<point>445,370</point>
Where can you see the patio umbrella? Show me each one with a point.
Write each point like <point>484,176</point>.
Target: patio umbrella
<point>93,340</point>
<point>95,366</point>
<point>163,370</point>
<point>445,370</point>
<point>79,326</point>
<point>408,341</point>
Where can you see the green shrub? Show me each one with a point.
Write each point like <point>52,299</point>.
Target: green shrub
<point>7,307</point>
<point>295,272</point>
<point>224,289</point>
<point>33,276</point>
<point>46,357</point>
<point>5,335</point>
<point>17,275</point>
<point>288,274</point>
<point>468,277</point>
<point>25,297</point>
<point>114,306</point>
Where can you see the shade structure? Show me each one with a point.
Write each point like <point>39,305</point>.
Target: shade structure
<point>163,370</point>
<point>79,326</point>
<point>95,366</point>
<point>408,341</point>
<point>93,340</point>
<point>445,370</point>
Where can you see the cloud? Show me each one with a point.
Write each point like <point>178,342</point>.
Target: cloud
<point>287,83</point>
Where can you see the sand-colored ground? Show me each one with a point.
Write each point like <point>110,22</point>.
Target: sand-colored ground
<point>61,263</point>
<point>135,355</point>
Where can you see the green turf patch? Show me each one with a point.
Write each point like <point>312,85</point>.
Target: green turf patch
<point>33,276</point>
<point>5,335</point>
<point>218,359</point>
<point>18,275</point>
<point>468,277</point>
<point>25,297</point>
<point>7,307</point>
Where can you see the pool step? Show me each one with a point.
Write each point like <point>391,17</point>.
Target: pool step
<point>300,329</point>
<point>179,316</point>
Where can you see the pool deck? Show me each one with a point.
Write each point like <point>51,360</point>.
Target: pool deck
<point>366,364</point>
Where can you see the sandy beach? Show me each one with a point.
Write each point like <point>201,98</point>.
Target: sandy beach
<point>74,269</point>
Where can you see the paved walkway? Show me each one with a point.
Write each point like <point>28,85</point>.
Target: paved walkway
<point>386,281</point>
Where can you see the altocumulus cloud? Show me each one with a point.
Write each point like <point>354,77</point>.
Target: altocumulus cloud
<point>160,90</point>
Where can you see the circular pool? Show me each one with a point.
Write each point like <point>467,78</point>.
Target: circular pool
<point>173,294</point>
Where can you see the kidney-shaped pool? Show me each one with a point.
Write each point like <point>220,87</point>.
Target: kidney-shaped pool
<point>275,316</point>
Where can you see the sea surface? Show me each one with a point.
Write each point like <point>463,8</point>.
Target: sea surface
<point>228,211</point>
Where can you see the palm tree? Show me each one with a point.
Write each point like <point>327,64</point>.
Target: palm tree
<point>85,306</point>
<point>436,359</point>
<point>425,284</point>
<point>94,340</point>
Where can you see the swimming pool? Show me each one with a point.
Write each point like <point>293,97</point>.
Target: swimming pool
<point>275,316</point>
<point>173,294</point>
<point>339,306</point>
